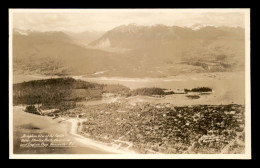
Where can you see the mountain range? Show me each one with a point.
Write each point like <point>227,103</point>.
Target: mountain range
<point>130,50</point>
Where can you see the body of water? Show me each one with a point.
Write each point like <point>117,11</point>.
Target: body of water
<point>228,87</point>
<point>26,123</point>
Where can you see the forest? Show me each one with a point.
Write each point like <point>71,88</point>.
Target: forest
<point>63,93</point>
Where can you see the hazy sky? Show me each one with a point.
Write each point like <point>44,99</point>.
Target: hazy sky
<point>103,20</point>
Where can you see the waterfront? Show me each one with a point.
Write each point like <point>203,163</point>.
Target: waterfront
<point>26,123</point>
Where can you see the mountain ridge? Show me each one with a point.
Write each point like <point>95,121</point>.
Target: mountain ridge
<point>133,50</point>
<point>162,31</point>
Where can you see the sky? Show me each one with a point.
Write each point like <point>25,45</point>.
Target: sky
<point>104,20</point>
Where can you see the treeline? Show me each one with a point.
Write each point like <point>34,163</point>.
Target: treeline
<point>199,89</point>
<point>150,91</point>
<point>62,92</point>
<point>160,91</point>
<point>50,92</point>
<point>117,89</point>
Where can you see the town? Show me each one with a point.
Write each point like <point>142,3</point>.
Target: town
<point>162,128</point>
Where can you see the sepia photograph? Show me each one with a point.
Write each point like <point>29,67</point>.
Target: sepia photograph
<point>129,83</point>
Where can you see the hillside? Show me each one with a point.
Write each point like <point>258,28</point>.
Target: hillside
<point>84,38</point>
<point>56,54</point>
<point>169,45</point>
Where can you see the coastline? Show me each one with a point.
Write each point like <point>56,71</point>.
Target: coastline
<point>66,126</point>
<point>73,122</point>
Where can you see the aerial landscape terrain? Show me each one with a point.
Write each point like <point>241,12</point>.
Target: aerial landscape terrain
<point>143,89</point>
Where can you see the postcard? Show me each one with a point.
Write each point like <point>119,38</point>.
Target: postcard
<point>129,84</point>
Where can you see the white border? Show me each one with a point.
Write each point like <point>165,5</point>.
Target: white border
<point>247,154</point>
<point>229,10</point>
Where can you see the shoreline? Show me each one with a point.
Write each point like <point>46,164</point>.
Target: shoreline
<point>69,127</point>
<point>73,122</point>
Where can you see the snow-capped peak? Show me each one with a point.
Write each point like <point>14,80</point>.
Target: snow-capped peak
<point>198,26</point>
<point>22,31</point>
